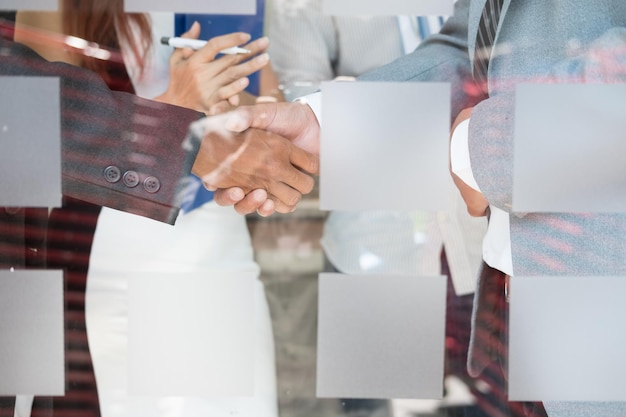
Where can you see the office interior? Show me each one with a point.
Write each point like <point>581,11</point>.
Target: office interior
<point>363,301</point>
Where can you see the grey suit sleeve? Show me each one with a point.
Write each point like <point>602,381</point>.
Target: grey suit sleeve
<point>108,135</point>
<point>492,125</point>
<point>442,57</point>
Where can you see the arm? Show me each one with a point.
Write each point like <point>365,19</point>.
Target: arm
<point>442,57</point>
<point>103,129</point>
<point>491,132</point>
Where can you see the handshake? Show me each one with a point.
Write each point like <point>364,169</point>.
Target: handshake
<point>259,158</point>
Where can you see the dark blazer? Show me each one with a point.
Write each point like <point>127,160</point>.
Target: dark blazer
<point>107,134</point>
<point>118,151</point>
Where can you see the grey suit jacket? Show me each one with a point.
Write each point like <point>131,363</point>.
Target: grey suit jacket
<point>537,41</point>
<point>106,134</point>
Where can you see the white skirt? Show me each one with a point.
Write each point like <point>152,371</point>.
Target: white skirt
<point>210,239</point>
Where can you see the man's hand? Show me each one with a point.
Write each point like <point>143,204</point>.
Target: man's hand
<point>475,201</point>
<point>241,163</point>
<point>294,121</point>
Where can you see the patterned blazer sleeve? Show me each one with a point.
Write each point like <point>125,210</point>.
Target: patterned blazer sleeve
<point>118,150</point>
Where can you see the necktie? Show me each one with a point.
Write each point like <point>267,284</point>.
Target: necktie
<point>484,39</point>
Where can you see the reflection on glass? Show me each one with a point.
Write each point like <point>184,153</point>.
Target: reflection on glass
<point>39,5</point>
<point>192,6</point>
<point>191,334</point>
<point>398,164</point>
<point>30,141</point>
<point>31,333</point>
<point>567,347</point>
<point>579,129</point>
<point>388,7</point>
<point>380,336</point>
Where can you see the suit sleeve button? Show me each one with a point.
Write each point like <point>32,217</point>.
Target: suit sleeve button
<point>151,184</point>
<point>131,179</point>
<point>112,174</point>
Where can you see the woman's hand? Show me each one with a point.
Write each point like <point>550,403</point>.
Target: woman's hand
<point>202,81</point>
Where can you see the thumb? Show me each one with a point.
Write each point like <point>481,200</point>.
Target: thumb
<point>239,119</point>
<point>260,116</point>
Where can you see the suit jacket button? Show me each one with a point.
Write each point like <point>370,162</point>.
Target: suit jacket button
<point>131,179</point>
<point>112,174</point>
<point>151,184</point>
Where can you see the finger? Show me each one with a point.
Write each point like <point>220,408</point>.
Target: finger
<point>220,107</point>
<point>285,198</point>
<point>244,69</point>
<point>229,65</point>
<point>267,208</point>
<point>258,45</point>
<point>228,196</point>
<point>184,53</point>
<point>305,160</point>
<point>227,69</point>
<point>193,32</point>
<point>208,52</point>
<point>232,90</point>
<point>280,207</point>
<point>251,202</point>
<point>234,100</point>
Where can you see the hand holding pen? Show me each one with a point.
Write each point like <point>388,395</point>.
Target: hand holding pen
<point>210,78</point>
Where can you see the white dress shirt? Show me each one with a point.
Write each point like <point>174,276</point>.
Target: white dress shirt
<point>497,241</point>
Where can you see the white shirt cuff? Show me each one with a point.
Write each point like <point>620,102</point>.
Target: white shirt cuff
<point>460,156</point>
<point>314,101</point>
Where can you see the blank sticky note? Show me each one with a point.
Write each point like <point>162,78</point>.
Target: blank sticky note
<point>49,5</point>
<point>380,336</point>
<point>385,146</point>
<point>388,8</point>
<point>191,334</point>
<point>192,6</point>
<point>568,148</point>
<point>567,338</point>
<point>31,329</point>
<point>30,140</point>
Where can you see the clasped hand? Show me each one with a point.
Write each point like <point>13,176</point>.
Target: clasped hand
<point>277,154</point>
<point>251,165</point>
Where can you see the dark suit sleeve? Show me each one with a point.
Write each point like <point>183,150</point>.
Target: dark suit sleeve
<point>118,150</point>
